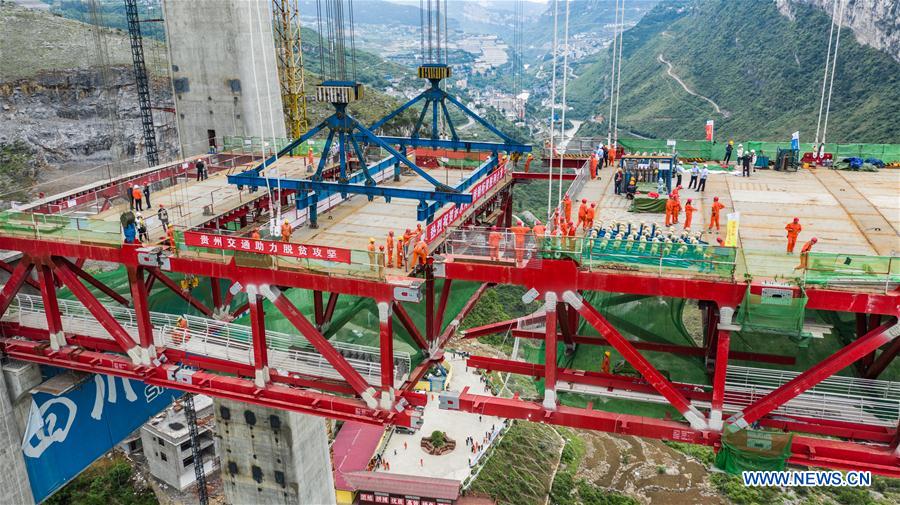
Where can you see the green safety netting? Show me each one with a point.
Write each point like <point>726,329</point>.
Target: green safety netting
<point>702,149</point>
<point>783,315</point>
<point>59,228</point>
<point>254,145</point>
<point>748,450</point>
<point>825,268</point>
<point>647,204</point>
<point>637,255</point>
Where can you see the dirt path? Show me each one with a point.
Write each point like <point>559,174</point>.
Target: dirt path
<point>673,75</point>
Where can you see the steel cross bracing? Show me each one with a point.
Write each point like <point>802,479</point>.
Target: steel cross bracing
<point>134,352</point>
<point>141,81</point>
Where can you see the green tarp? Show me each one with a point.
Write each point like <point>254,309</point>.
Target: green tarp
<point>646,204</point>
<point>748,450</point>
<point>709,151</point>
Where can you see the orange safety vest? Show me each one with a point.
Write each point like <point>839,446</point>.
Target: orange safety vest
<point>137,194</point>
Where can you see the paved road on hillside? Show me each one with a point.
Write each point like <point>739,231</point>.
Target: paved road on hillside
<point>673,75</point>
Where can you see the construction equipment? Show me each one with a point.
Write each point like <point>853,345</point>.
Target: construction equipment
<point>141,81</point>
<point>191,414</point>
<point>288,50</point>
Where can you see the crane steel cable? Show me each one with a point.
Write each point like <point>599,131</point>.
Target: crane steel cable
<point>271,115</point>
<point>321,40</point>
<point>837,43</point>
<point>552,108</point>
<point>352,40</point>
<point>422,29</point>
<point>446,39</point>
<point>834,4</point>
<point>562,125</point>
<point>619,78</point>
<point>612,77</point>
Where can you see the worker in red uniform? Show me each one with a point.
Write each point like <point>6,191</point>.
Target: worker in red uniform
<point>804,254</point>
<point>400,248</point>
<point>420,253</point>
<point>407,239</point>
<point>688,214</point>
<point>793,231</point>
<point>570,235</point>
<point>286,231</point>
<point>670,207</point>
<point>604,367</point>
<point>494,238</point>
<point>592,163</point>
<point>520,231</point>
<point>714,215</point>
<point>567,208</point>
<point>371,249</point>
<point>309,157</point>
<point>676,209</point>
<point>390,249</point>
<point>528,160</point>
<point>582,212</point>
<point>255,235</point>
<point>589,216</point>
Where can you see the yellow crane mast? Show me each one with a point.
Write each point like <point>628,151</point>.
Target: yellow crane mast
<point>286,27</point>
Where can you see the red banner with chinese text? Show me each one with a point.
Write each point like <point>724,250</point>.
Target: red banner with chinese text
<point>271,247</point>
<point>449,216</point>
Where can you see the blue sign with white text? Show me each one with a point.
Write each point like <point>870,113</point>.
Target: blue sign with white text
<point>66,433</point>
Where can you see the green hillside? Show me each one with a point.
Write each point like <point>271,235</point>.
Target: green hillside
<point>762,69</point>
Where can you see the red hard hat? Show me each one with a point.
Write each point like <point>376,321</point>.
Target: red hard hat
<point>584,200</point>
<point>537,221</point>
<point>796,219</point>
<point>494,228</point>
<point>814,240</point>
<point>390,232</point>
<point>593,205</point>
<point>689,200</point>
<point>716,199</point>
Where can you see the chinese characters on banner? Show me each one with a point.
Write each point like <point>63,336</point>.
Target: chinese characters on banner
<point>449,216</point>
<point>313,252</point>
<point>710,126</point>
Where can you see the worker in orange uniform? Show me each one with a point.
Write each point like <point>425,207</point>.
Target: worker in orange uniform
<point>520,231</point>
<point>804,253</point>
<point>390,249</point>
<point>170,235</point>
<point>494,238</point>
<point>407,239</point>
<point>670,208</point>
<point>688,214</point>
<point>286,231</point>
<point>400,248</point>
<point>714,215</point>
<point>309,158</point>
<point>793,231</point>
<point>371,249</point>
<point>676,209</point>
<point>418,233</point>
<point>180,332</point>
<point>570,236</point>
<point>582,212</point>
<point>420,253</point>
<point>676,190</point>
<point>381,259</point>
<point>539,229</point>
<point>138,196</point>
<point>589,216</point>
<point>528,160</point>
<point>592,163</point>
<point>604,367</point>
<point>567,208</point>
<point>255,235</point>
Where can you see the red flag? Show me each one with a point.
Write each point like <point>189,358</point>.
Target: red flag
<point>709,130</point>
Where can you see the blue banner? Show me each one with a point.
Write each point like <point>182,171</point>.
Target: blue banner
<point>66,433</point>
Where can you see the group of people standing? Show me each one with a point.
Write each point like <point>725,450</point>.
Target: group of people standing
<point>401,244</point>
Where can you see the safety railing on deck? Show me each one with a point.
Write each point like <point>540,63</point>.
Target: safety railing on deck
<point>500,244</point>
<point>59,228</point>
<point>851,270</point>
<point>210,337</point>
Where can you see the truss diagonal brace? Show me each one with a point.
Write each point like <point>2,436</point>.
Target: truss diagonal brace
<point>77,270</point>
<point>169,283</point>
<point>827,367</point>
<point>637,360</point>
<point>15,281</point>
<point>356,381</point>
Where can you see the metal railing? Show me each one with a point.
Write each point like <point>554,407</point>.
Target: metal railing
<point>59,228</point>
<point>500,244</point>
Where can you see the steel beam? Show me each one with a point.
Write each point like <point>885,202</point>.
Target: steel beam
<point>51,307</point>
<point>321,344</point>
<point>318,310</point>
<point>386,352</point>
<point>829,366</point>
<point>106,320</point>
<point>541,176</point>
<point>884,359</point>
<point>718,392</point>
<point>550,306</point>
<point>31,282</point>
<point>430,332</point>
<point>169,283</point>
<point>216,289</point>
<point>329,308</point>
<point>77,270</point>
<point>15,281</point>
<point>407,322</point>
<point>258,331</point>
<point>442,305</point>
<point>141,303</point>
<point>636,359</point>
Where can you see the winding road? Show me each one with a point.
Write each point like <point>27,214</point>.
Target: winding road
<point>673,75</point>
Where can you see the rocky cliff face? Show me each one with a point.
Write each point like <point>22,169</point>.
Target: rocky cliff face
<point>875,23</point>
<point>67,116</point>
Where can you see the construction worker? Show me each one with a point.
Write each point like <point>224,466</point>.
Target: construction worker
<point>138,197</point>
<point>570,236</point>
<point>714,215</point>
<point>528,160</point>
<point>407,239</point>
<point>141,228</point>
<point>147,194</point>
<point>704,173</point>
<point>163,215</point>
<point>688,214</point>
<point>567,208</point>
<point>539,231</point>
<point>675,192</point>
<point>804,254</point>
<point>676,208</point>
<point>400,248</point>
<point>390,249</point>
<point>419,233</point>
<point>670,208</point>
<point>371,249</point>
<point>130,197</point>
<point>728,149</point>
<point>309,158</point>
<point>604,367</point>
<point>130,231</point>
<point>286,231</point>
<point>255,235</point>
<point>589,216</point>
<point>420,253</point>
<point>381,259</point>
<point>592,163</point>
<point>520,231</point>
<point>793,231</point>
<point>170,235</point>
<point>180,332</point>
<point>582,212</point>
<point>611,151</point>
<point>494,238</point>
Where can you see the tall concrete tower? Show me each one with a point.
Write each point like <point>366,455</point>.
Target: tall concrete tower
<point>224,70</point>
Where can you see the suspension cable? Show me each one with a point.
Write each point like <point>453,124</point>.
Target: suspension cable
<point>837,43</point>
<point>259,115</point>
<point>619,77</point>
<point>352,40</point>
<point>422,29</point>
<point>321,40</point>
<point>552,109</point>
<point>446,38</point>
<point>562,125</point>
<point>612,77</point>
<point>271,116</point>
<point>834,4</point>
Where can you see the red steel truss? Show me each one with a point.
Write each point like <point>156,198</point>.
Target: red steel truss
<point>557,282</point>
